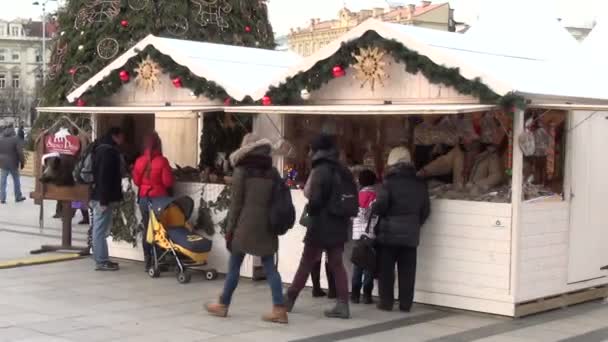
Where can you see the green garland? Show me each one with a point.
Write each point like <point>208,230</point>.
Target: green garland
<point>125,225</point>
<point>288,93</point>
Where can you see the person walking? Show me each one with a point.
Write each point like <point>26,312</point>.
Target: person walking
<point>106,193</point>
<point>403,206</point>
<point>315,277</point>
<point>327,232</point>
<point>12,160</point>
<point>153,175</point>
<point>249,224</point>
<point>363,279</point>
<point>21,132</point>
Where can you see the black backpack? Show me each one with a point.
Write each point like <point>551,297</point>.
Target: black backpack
<point>344,199</point>
<point>282,210</point>
<point>84,170</point>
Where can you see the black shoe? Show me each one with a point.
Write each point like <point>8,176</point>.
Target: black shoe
<point>332,295</point>
<point>368,299</point>
<point>383,307</point>
<point>57,216</point>
<point>21,199</point>
<point>84,223</point>
<point>107,266</point>
<point>405,309</point>
<point>355,298</point>
<point>341,310</point>
<point>318,293</point>
<point>289,302</point>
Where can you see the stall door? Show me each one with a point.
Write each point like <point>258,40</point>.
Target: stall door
<point>589,206</point>
<point>179,132</point>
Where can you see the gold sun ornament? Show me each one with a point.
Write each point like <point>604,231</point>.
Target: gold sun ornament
<point>147,74</point>
<point>370,67</point>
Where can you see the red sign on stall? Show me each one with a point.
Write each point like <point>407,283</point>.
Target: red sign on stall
<point>62,142</point>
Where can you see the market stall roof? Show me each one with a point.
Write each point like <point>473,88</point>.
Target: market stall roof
<point>396,109</point>
<point>128,110</point>
<point>503,70</point>
<point>241,71</point>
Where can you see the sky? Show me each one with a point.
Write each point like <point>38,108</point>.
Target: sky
<point>285,14</point>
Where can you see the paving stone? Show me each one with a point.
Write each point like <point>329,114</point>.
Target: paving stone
<point>18,333</point>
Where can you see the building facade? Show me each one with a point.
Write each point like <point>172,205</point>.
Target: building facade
<point>21,67</point>
<point>306,41</point>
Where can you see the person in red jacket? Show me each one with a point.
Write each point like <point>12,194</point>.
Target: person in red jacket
<point>154,177</point>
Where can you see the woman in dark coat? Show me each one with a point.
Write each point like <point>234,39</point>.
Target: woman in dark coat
<point>403,206</point>
<point>326,232</point>
<point>249,222</point>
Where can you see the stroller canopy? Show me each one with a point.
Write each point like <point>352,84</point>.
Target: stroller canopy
<point>185,203</point>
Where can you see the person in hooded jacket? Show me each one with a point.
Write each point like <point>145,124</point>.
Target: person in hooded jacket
<point>11,160</point>
<point>248,229</point>
<point>326,232</point>
<point>153,175</point>
<point>402,205</point>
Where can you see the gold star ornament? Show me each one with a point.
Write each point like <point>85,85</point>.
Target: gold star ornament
<point>147,74</point>
<point>370,67</point>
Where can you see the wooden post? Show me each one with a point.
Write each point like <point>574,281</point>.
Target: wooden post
<point>66,220</point>
<point>516,199</point>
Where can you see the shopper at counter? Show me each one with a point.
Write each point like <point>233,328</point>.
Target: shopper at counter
<point>402,205</point>
<point>326,232</point>
<point>154,177</point>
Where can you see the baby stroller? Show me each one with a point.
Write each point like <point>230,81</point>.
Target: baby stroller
<point>174,242</point>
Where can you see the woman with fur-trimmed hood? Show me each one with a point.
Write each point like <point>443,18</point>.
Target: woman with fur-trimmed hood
<point>249,221</point>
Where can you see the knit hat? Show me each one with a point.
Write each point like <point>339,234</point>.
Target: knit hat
<point>399,155</point>
<point>322,142</point>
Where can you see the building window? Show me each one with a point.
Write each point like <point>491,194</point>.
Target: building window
<point>2,55</point>
<point>2,30</point>
<point>15,56</point>
<point>16,81</point>
<point>38,56</point>
<point>2,81</point>
<point>15,31</point>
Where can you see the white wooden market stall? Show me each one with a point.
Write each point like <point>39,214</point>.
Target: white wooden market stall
<point>498,258</point>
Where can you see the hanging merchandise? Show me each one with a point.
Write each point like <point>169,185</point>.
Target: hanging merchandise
<point>370,67</point>
<point>147,74</point>
<point>542,140</point>
<point>211,12</point>
<point>489,128</point>
<point>448,126</point>
<point>551,151</point>
<point>526,140</point>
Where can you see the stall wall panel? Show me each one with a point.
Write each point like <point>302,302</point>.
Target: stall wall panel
<point>465,252</point>
<point>588,228</point>
<point>131,94</point>
<point>400,87</point>
<point>179,132</point>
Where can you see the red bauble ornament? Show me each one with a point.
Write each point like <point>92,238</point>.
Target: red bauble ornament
<point>248,29</point>
<point>266,100</point>
<point>177,82</point>
<point>124,76</point>
<point>72,71</point>
<point>337,71</point>
<point>124,23</point>
<point>227,101</point>
<point>81,103</point>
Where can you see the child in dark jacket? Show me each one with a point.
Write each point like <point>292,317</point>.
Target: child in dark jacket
<point>367,195</point>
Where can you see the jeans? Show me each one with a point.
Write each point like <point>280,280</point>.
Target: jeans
<point>362,279</point>
<point>405,258</point>
<point>234,273</point>
<point>102,224</point>
<point>16,183</point>
<point>310,256</point>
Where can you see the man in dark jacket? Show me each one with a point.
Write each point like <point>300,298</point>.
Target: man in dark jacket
<point>403,205</point>
<point>326,231</point>
<point>11,160</point>
<point>105,193</point>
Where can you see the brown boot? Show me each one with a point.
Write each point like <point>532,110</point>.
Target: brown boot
<point>278,315</point>
<point>217,309</point>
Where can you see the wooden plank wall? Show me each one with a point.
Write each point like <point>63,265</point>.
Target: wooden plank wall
<point>465,254</point>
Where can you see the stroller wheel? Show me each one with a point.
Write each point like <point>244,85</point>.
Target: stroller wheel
<point>184,277</point>
<point>211,274</point>
<point>154,272</point>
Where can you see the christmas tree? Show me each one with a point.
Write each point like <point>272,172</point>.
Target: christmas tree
<point>95,32</point>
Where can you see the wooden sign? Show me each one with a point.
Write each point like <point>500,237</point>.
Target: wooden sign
<point>62,142</point>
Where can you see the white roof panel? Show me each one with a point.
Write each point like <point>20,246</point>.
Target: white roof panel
<point>239,70</point>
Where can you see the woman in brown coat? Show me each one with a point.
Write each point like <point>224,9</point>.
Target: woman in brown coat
<point>248,223</point>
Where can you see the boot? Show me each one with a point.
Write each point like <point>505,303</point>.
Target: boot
<point>217,309</point>
<point>355,298</point>
<point>331,283</point>
<point>341,310</point>
<point>368,299</point>
<point>278,315</point>
<point>315,277</point>
<point>289,301</point>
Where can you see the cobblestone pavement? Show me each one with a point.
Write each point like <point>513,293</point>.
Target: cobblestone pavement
<point>69,301</point>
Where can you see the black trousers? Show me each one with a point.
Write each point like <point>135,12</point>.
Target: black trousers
<point>315,276</point>
<point>405,259</point>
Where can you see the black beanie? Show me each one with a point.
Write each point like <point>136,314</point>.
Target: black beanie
<point>322,142</point>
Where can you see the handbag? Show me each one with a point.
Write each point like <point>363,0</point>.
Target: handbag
<point>305,219</point>
<point>364,252</point>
